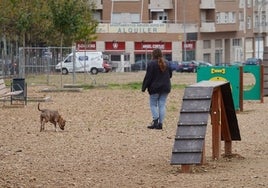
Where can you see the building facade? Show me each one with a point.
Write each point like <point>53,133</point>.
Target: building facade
<point>216,31</point>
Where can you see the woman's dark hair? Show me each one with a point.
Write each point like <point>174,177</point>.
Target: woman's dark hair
<point>157,55</point>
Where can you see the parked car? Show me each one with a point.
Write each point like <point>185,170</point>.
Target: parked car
<point>174,65</point>
<point>138,65</point>
<point>187,66</point>
<point>236,63</point>
<point>253,61</point>
<point>202,63</point>
<point>141,65</point>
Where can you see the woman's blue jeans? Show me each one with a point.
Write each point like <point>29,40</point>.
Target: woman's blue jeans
<point>158,106</point>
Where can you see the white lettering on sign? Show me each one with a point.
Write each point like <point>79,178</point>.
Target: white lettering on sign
<point>85,46</point>
<point>189,45</point>
<point>153,46</point>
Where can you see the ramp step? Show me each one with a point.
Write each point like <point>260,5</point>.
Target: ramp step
<point>185,158</point>
<point>189,137</point>
<point>198,93</point>
<point>187,151</point>
<point>191,123</point>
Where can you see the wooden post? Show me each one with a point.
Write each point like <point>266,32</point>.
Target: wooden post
<point>186,168</point>
<point>262,82</point>
<point>241,89</point>
<point>216,123</point>
<point>225,132</point>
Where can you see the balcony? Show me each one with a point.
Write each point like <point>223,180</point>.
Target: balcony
<point>263,28</point>
<point>207,27</point>
<point>207,4</point>
<point>227,27</point>
<point>160,4</point>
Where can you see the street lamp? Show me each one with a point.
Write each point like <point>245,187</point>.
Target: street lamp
<point>184,32</point>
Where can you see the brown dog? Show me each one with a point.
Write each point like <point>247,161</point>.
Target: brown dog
<point>51,116</point>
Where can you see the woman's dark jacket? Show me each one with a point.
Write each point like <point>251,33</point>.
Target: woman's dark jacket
<point>155,80</point>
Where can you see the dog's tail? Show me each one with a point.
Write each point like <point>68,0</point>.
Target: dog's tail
<point>39,107</point>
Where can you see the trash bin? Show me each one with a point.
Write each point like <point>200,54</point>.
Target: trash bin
<point>19,84</point>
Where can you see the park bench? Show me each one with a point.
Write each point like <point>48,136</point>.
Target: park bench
<point>6,93</point>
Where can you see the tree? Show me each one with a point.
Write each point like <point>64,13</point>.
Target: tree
<point>72,19</point>
<point>39,22</point>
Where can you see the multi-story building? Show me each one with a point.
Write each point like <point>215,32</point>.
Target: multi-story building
<point>217,31</point>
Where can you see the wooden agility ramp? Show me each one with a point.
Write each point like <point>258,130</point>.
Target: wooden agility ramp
<point>200,100</point>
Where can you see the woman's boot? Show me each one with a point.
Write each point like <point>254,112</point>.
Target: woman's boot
<point>153,124</point>
<point>159,126</point>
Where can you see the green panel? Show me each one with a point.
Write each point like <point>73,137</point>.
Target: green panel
<point>222,73</point>
<point>254,93</point>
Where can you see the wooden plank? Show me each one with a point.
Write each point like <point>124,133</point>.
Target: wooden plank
<point>186,168</point>
<point>216,126</point>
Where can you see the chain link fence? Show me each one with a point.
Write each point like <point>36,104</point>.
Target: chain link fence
<point>37,60</point>
<point>38,66</point>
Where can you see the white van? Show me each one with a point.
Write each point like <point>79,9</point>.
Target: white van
<point>85,61</point>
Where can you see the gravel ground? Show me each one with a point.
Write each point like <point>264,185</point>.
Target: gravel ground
<point>106,143</point>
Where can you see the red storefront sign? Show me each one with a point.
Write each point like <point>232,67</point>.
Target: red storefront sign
<point>115,46</point>
<point>81,46</point>
<point>189,45</point>
<point>149,46</point>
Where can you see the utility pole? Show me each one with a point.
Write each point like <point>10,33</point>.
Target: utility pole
<point>184,31</point>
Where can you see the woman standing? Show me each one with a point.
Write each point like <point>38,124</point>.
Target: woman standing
<point>157,82</point>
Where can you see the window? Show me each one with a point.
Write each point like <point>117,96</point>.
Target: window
<point>263,18</point>
<point>97,15</point>
<point>69,59</point>
<point>237,42</point>
<point>115,57</point>
<point>126,57</point>
<point>218,18</point>
<point>256,23</point>
<point>218,43</point>
<point>241,16</point>
<point>232,17</point>
<point>249,3</point>
<point>225,17</point>
<point>206,44</point>
<point>248,22</point>
<point>206,57</point>
<point>242,3</point>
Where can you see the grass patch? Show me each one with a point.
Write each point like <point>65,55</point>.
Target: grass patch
<point>131,85</point>
<point>87,86</point>
<point>138,85</point>
<point>172,108</point>
<point>178,86</point>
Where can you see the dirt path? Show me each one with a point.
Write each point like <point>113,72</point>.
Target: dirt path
<point>106,143</point>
